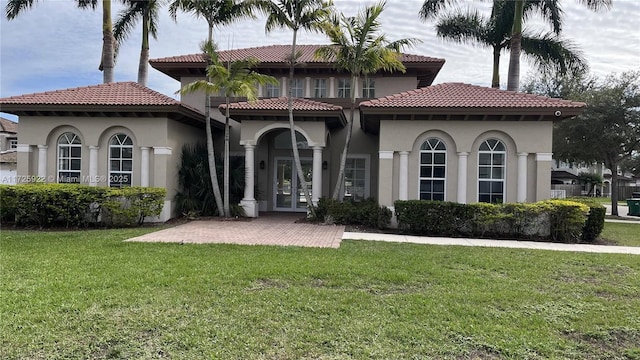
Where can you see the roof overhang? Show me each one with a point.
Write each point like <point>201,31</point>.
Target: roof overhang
<point>177,112</point>
<point>370,116</point>
<point>333,119</point>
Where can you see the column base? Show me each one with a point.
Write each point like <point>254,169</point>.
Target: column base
<point>250,208</point>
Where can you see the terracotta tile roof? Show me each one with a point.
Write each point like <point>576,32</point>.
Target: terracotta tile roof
<point>113,94</point>
<point>277,54</point>
<point>459,95</point>
<point>7,125</point>
<point>280,104</point>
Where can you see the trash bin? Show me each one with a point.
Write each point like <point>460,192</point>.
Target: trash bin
<point>634,207</point>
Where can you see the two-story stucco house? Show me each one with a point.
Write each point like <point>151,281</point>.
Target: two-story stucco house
<point>411,140</point>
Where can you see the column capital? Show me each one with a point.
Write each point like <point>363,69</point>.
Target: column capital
<point>385,154</point>
<point>248,146</point>
<point>403,153</point>
<point>463,154</point>
<point>144,147</point>
<point>162,150</point>
<point>23,148</point>
<point>318,148</point>
<point>92,147</point>
<point>544,156</point>
<point>523,154</point>
<point>43,147</point>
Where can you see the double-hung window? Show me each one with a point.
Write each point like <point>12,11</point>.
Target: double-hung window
<point>492,160</point>
<point>69,158</point>
<point>433,169</point>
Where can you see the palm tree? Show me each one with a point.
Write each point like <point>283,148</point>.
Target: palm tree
<point>296,15</point>
<point>513,80</point>
<point>233,79</point>
<point>358,48</point>
<point>546,50</point>
<point>216,13</point>
<point>147,11</point>
<point>15,7</point>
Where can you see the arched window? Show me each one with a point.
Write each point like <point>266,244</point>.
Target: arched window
<point>69,158</point>
<point>120,160</point>
<point>492,161</point>
<point>433,169</point>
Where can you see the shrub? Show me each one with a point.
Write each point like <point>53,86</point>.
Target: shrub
<point>45,205</point>
<point>131,205</point>
<point>366,212</point>
<point>595,220</point>
<point>556,220</point>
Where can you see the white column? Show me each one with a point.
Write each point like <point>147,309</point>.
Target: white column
<point>284,82</point>
<point>316,179</point>
<point>307,87</point>
<point>93,165</point>
<point>522,177</point>
<point>249,172</point>
<point>144,166</point>
<point>42,161</point>
<point>332,87</point>
<point>249,202</point>
<point>462,177</point>
<point>403,186</point>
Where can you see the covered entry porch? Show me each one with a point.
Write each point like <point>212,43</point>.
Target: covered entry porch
<point>271,179</point>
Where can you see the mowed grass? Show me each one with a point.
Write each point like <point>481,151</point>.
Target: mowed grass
<point>623,234</point>
<point>88,295</point>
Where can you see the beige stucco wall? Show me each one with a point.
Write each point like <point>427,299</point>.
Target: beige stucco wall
<point>460,136</point>
<point>163,137</point>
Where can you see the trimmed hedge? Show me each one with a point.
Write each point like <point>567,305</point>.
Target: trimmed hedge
<point>552,219</point>
<point>366,212</point>
<point>595,221</point>
<point>71,205</point>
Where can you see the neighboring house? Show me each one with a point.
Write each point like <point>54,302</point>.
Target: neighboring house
<point>411,140</point>
<point>8,145</point>
<point>564,176</point>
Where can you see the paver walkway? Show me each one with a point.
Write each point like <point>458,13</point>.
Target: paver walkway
<point>268,229</point>
<point>281,229</point>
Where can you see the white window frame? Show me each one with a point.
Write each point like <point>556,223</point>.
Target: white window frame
<point>320,88</point>
<point>368,87</point>
<point>70,144</point>
<point>13,143</point>
<point>491,166</point>
<point>367,173</point>
<point>119,174</point>
<point>344,88</point>
<point>272,90</point>
<point>297,88</point>
<point>432,178</point>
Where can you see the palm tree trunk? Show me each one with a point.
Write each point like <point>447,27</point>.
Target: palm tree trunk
<point>513,82</point>
<point>143,67</point>
<point>108,43</point>
<point>495,80</point>
<point>225,180</point>
<point>210,151</point>
<point>292,128</point>
<point>338,192</point>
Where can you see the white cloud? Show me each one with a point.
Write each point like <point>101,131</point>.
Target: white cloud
<point>54,45</point>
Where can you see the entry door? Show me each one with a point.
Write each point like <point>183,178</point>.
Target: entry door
<point>287,194</point>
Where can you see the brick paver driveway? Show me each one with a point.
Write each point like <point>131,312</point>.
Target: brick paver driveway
<point>268,229</point>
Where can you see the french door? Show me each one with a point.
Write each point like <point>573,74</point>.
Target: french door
<point>287,193</point>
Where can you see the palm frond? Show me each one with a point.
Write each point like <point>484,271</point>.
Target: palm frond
<point>464,27</point>
<point>432,8</point>
<point>548,50</point>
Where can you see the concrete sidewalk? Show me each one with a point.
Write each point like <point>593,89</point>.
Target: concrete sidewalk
<point>605,249</point>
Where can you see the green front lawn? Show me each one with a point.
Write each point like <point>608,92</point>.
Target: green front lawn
<point>624,234</point>
<point>88,295</point>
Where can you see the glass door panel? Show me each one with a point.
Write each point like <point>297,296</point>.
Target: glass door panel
<point>283,184</point>
<point>307,168</point>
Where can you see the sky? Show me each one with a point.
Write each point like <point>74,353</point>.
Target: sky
<point>55,46</point>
